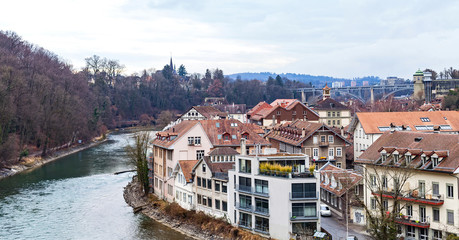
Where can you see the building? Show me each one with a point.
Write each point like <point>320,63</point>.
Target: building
<point>392,81</point>
<point>279,111</point>
<point>367,127</point>
<point>210,188</point>
<point>340,189</point>
<point>421,171</point>
<point>184,192</point>
<point>332,112</point>
<point>191,140</point>
<point>203,113</point>
<point>313,139</point>
<point>274,203</point>
<point>234,111</point>
<point>418,78</point>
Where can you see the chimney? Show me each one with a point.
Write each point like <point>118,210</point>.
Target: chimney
<point>173,129</point>
<point>392,127</point>
<point>303,132</point>
<point>342,131</point>
<point>243,146</point>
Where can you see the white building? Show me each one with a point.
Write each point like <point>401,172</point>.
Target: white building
<point>184,194</point>
<point>367,127</point>
<point>276,204</point>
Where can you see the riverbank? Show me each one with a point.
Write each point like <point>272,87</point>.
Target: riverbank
<point>196,225</point>
<point>30,163</point>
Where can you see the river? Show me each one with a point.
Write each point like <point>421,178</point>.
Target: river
<point>76,197</point>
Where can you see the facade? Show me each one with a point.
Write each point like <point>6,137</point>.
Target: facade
<point>340,189</point>
<point>279,111</point>
<point>317,140</point>
<point>421,171</point>
<point>203,113</point>
<point>367,127</point>
<point>272,203</point>
<point>191,140</point>
<point>211,186</point>
<point>184,192</point>
<point>234,111</point>
<point>332,112</point>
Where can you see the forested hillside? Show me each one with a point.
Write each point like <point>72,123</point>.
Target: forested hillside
<point>45,103</point>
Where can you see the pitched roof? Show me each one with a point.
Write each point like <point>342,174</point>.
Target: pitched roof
<point>292,132</point>
<point>227,151</point>
<point>217,129</point>
<point>370,121</point>
<point>445,146</point>
<point>347,178</point>
<point>218,169</point>
<point>262,110</point>
<point>209,111</point>
<point>260,106</point>
<point>187,167</point>
<point>329,104</point>
<point>167,138</point>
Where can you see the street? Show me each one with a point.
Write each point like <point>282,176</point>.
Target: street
<point>337,228</point>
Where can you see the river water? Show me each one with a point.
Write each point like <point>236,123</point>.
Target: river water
<point>76,197</point>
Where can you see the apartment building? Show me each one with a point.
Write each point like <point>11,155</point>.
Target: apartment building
<point>421,170</point>
<point>313,139</point>
<point>367,127</point>
<point>280,204</point>
<point>332,112</point>
<point>184,192</point>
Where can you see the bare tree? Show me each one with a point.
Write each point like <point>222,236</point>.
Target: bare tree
<point>138,156</point>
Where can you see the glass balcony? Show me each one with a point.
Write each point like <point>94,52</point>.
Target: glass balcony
<point>413,196</point>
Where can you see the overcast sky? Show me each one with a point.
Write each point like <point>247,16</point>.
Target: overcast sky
<point>333,38</point>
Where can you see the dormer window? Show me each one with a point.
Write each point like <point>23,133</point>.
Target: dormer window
<point>408,159</point>
<point>423,159</point>
<point>383,157</point>
<point>434,161</point>
<point>203,168</point>
<point>396,157</point>
<point>226,137</point>
<point>245,135</point>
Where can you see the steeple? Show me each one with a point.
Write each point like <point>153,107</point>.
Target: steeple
<point>171,65</point>
<point>326,92</point>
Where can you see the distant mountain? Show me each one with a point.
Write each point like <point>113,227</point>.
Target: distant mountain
<point>305,78</point>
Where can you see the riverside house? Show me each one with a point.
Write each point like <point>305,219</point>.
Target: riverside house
<point>281,203</point>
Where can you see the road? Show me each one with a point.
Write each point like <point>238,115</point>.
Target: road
<point>337,228</point>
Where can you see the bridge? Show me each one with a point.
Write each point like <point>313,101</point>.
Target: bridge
<point>361,93</point>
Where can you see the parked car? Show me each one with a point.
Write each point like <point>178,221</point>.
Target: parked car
<point>325,211</point>
<point>352,238</point>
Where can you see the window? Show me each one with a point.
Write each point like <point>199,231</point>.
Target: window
<point>385,205</point>
<point>425,119</point>
<point>245,220</point>
<point>204,183</point>
<point>170,190</point>
<point>339,152</point>
<point>262,224</point>
<point>303,190</point>
<point>338,164</point>
<point>245,166</point>
<point>184,197</point>
<point>245,135</point>
<point>330,139</point>
<point>199,199</point>
<point>261,186</point>
<point>304,112</point>
<point>314,140</point>
<point>315,152</point>
<point>449,190</point>
<point>190,199</point>
<point>224,188</point>
<point>322,139</point>
<point>169,171</point>
<point>261,205</point>
<point>436,214</point>
<point>224,206</point>
<point>245,184</point>
<point>198,181</point>
<point>278,112</point>
<point>217,124</point>
<point>217,204</point>
<point>217,186</point>
<point>434,161</point>
<point>410,231</point>
<point>334,122</point>
<point>204,201</point>
<point>338,114</point>
<point>409,210</point>
<point>245,201</point>
<point>190,140</point>
<point>384,182</point>
<point>293,112</point>
<point>169,154</point>
<point>329,122</point>
<point>331,152</point>
<point>450,214</point>
<point>203,167</point>
<point>373,180</point>
<point>303,228</point>
<point>209,183</point>
<point>199,154</point>
<point>422,189</point>
<point>437,235</point>
<point>422,214</point>
<point>338,122</point>
<point>226,137</point>
<point>328,114</point>
<point>333,114</point>
<point>197,140</point>
<point>209,202</point>
<point>304,210</point>
<point>435,189</point>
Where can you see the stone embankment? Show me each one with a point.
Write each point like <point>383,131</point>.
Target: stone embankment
<point>195,227</point>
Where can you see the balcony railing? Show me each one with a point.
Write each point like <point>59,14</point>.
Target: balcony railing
<point>283,174</point>
<point>263,193</point>
<point>262,229</point>
<point>303,195</point>
<point>245,224</point>
<point>299,217</point>
<point>427,199</point>
<point>414,222</point>
<point>262,211</point>
<point>244,207</point>
<point>244,188</point>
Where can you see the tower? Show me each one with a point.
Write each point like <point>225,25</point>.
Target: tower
<point>326,92</point>
<point>418,78</point>
<point>428,86</point>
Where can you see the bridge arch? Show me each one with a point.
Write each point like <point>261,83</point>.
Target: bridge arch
<point>395,91</point>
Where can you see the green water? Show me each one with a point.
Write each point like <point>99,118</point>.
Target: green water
<point>76,197</point>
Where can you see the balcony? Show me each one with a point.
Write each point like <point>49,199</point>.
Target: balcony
<point>261,229</point>
<point>413,196</point>
<point>323,144</point>
<point>244,207</point>
<point>261,193</point>
<point>299,196</point>
<point>244,188</point>
<point>302,218</point>
<point>262,211</point>
<point>410,221</point>
<point>275,173</point>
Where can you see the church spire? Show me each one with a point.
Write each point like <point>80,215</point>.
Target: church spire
<point>326,92</point>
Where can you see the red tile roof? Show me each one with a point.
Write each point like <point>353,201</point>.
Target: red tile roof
<point>262,109</point>
<point>446,146</point>
<point>163,139</point>
<point>330,104</point>
<point>347,178</point>
<point>187,167</point>
<point>208,111</point>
